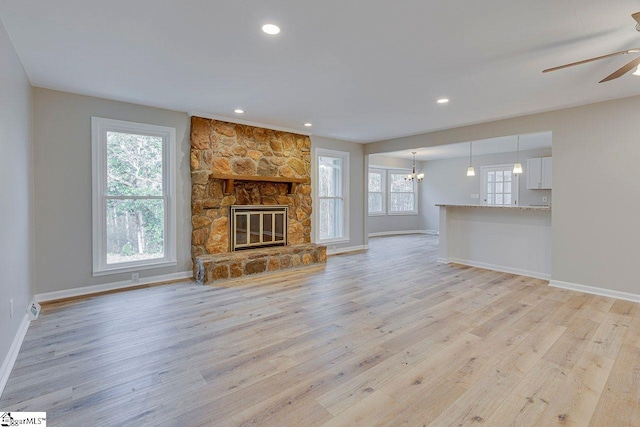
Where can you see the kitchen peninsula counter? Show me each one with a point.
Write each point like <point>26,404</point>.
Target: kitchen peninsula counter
<point>513,239</point>
<point>526,208</point>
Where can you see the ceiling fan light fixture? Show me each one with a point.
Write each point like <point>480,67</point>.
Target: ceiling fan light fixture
<point>637,72</point>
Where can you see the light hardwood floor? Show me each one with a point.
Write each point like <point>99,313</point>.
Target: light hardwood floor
<point>386,337</point>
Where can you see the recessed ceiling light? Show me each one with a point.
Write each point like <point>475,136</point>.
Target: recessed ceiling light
<point>308,125</point>
<point>238,111</point>
<point>271,29</point>
<point>443,100</point>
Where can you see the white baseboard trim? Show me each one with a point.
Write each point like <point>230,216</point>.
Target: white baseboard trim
<point>349,249</point>
<point>501,268</point>
<point>432,232</point>
<point>397,233</point>
<point>10,359</point>
<point>595,291</point>
<point>88,290</point>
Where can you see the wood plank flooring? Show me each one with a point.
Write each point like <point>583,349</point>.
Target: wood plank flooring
<point>385,337</point>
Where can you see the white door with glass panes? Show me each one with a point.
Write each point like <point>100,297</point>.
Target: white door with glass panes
<point>499,186</point>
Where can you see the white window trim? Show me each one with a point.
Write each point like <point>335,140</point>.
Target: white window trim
<point>344,155</point>
<point>415,194</point>
<point>382,172</point>
<point>99,128</point>
<point>515,184</point>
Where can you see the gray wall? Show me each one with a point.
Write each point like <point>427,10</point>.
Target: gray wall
<point>16,193</point>
<point>357,208</point>
<point>446,181</point>
<point>62,141</point>
<point>395,223</point>
<point>596,196</point>
<point>392,162</point>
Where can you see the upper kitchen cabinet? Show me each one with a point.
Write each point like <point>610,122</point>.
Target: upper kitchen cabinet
<point>539,173</point>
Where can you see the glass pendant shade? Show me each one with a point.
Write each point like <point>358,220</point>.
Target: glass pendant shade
<point>470,170</point>
<point>517,168</point>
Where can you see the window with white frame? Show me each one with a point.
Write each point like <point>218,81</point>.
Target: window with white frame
<point>402,193</point>
<point>499,185</point>
<point>332,185</point>
<point>376,191</point>
<point>134,209</point>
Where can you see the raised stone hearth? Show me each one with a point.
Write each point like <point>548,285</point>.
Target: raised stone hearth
<point>222,151</point>
<point>232,265</point>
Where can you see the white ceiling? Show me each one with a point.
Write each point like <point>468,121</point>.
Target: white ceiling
<point>360,70</point>
<point>504,144</point>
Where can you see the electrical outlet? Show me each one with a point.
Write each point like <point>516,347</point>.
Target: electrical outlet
<point>11,308</point>
<point>33,311</point>
<point>544,199</point>
<point>135,277</point>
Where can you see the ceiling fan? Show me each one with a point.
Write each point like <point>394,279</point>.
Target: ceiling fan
<point>620,71</point>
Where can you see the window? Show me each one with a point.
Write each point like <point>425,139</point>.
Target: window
<point>376,195</point>
<point>499,185</point>
<point>133,196</point>
<point>333,182</point>
<point>402,194</point>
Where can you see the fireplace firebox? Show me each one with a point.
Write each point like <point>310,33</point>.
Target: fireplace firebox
<point>257,226</point>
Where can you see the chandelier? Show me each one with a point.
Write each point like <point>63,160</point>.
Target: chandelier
<point>413,176</point>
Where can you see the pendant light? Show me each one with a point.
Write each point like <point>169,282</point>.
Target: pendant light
<point>413,176</point>
<point>470,170</point>
<point>517,168</point>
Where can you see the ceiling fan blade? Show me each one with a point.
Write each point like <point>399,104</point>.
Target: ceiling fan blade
<point>636,16</point>
<point>622,70</point>
<point>597,58</point>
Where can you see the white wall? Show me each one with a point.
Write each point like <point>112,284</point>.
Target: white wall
<point>395,223</point>
<point>62,140</point>
<point>596,196</point>
<point>16,194</point>
<point>446,182</point>
<point>357,220</point>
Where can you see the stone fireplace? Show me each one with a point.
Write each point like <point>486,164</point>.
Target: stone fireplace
<point>237,167</point>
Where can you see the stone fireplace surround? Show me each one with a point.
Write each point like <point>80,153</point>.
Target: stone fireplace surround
<point>230,149</point>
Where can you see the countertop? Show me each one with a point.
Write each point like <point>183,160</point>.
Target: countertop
<point>529,208</point>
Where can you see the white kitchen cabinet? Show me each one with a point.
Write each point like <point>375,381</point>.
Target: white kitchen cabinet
<point>539,176</point>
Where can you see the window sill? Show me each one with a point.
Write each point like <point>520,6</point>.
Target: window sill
<point>127,268</point>
<point>333,241</point>
<point>403,213</point>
